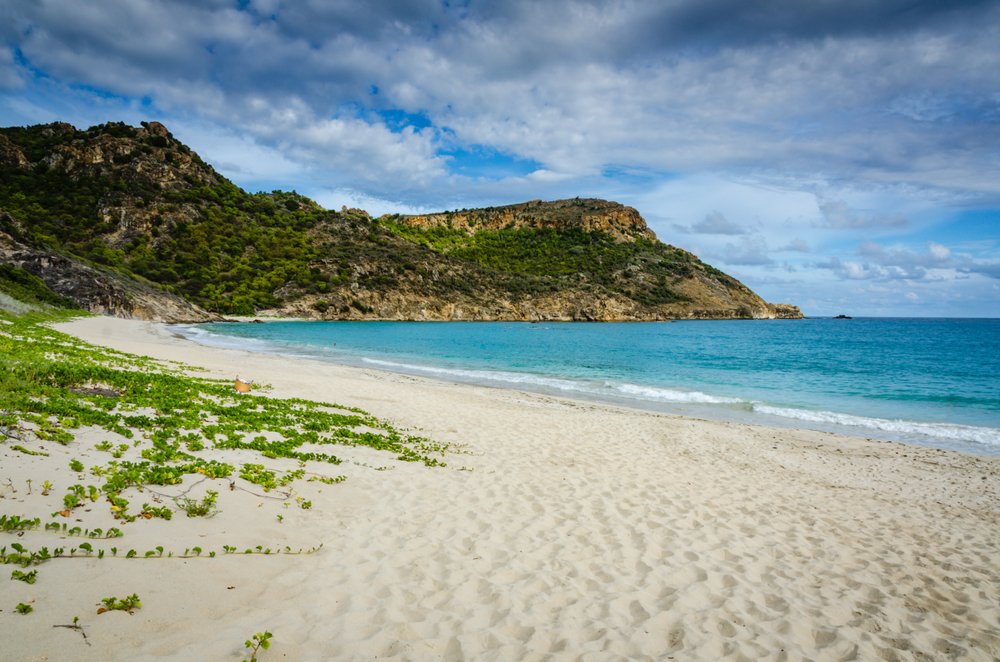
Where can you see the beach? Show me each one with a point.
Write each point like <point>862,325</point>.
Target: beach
<point>559,529</point>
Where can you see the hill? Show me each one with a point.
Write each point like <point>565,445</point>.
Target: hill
<point>143,216</point>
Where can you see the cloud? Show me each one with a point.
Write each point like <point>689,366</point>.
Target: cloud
<point>990,269</point>
<point>714,223</point>
<point>337,198</point>
<point>937,262</point>
<point>936,255</point>
<point>796,245</point>
<point>750,252</point>
<point>9,78</point>
<point>813,125</point>
<point>837,214</point>
<point>805,88</point>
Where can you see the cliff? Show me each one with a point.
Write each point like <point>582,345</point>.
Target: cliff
<point>98,290</point>
<point>612,218</point>
<point>129,221</point>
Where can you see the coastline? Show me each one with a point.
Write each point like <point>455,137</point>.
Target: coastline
<point>830,399</point>
<point>563,529</point>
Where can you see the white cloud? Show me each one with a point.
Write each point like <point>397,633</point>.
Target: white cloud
<point>837,214</point>
<point>752,251</point>
<point>795,90</point>
<point>801,126</point>
<point>337,198</point>
<point>796,245</point>
<point>238,156</point>
<point>715,223</point>
<point>937,251</point>
<point>9,77</point>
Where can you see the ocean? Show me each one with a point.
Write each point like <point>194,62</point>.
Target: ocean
<point>933,382</point>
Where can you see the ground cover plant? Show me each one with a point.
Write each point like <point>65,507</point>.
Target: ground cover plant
<point>54,389</point>
<point>127,604</point>
<point>261,640</point>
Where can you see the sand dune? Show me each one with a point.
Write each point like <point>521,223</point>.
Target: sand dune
<point>559,530</point>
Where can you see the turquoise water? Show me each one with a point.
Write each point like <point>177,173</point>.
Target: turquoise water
<point>929,381</point>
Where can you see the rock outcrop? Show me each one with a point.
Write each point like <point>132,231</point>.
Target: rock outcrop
<point>99,290</point>
<point>587,214</point>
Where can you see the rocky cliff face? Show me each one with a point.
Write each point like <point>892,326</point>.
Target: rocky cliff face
<point>566,306</point>
<point>12,155</point>
<point>590,215</point>
<point>98,290</point>
<point>88,209</point>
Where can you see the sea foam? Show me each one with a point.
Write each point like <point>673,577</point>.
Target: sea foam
<point>612,366</point>
<point>674,395</point>
<point>947,431</point>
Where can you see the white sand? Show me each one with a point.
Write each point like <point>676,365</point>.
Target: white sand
<point>579,532</point>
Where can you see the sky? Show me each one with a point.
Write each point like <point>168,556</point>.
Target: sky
<point>841,155</point>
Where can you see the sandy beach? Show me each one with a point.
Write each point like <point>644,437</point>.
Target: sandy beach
<point>558,530</point>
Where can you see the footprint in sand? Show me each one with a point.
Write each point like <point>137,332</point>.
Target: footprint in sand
<point>726,629</point>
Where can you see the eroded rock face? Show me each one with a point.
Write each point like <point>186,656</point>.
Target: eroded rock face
<point>11,154</point>
<point>100,291</point>
<point>147,156</point>
<point>567,306</point>
<point>621,222</point>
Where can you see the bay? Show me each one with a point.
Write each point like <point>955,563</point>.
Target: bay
<point>928,381</point>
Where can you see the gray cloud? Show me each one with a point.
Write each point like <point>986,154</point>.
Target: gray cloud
<point>879,263</point>
<point>686,85</point>
<point>796,246</point>
<point>713,223</point>
<point>9,79</point>
<point>752,251</point>
<point>837,214</point>
<point>988,269</point>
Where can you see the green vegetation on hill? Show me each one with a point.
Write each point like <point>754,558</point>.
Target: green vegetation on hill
<point>140,203</point>
<point>207,240</point>
<point>642,270</point>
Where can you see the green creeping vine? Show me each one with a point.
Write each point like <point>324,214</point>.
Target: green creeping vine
<point>17,523</point>
<point>57,384</point>
<point>26,577</point>
<point>129,603</point>
<point>52,385</point>
<point>261,640</point>
<point>21,449</point>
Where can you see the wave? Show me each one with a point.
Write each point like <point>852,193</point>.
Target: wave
<point>624,392</point>
<point>672,395</point>
<point>498,376</point>
<point>945,431</point>
<point>899,428</point>
<point>206,337</point>
<point>605,388</point>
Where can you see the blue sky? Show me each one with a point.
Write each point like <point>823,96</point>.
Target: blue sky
<point>843,156</point>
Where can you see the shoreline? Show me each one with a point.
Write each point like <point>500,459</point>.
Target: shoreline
<point>690,402</point>
<point>560,529</point>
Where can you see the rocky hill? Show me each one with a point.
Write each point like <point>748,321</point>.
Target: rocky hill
<point>129,221</point>
<point>614,219</point>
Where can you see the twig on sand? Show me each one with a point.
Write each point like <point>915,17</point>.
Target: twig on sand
<point>75,626</point>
